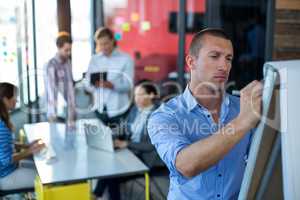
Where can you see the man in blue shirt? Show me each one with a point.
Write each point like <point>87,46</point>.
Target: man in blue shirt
<point>203,135</point>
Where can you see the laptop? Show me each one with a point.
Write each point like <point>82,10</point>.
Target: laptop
<point>98,135</point>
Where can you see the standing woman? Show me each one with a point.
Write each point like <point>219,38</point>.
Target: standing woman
<point>13,176</point>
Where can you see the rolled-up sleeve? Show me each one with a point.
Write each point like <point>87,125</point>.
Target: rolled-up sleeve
<point>168,140</point>
<point>87,82</point>
<point>70,94</point>
<point>51,90</point>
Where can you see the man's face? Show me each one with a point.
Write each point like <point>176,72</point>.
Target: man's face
<point>65,51</point>
<point>213,64</point>
<point>105,45</point>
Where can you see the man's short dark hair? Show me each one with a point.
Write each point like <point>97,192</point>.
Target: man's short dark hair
<point>105,32</point>
<point>61,40</point>
<point>196,45</point>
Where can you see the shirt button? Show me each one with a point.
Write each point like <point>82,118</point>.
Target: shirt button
<point>220,175</point>
<point>215,128</point>
<point>218,195</point>
<point>208,115</point>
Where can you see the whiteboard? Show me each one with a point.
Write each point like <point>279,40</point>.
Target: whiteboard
<point>273,168</point>
<point>262,178</point>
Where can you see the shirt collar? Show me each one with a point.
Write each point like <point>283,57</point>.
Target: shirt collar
<point>58,58</point>
<point>192,102</point>
<point>189,99</point>
<point>147,109</point>
<point>113,53</point>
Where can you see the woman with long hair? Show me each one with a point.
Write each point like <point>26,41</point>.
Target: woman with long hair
<point>13,176</point>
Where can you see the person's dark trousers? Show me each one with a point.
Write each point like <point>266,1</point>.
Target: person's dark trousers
<point>113,185</point>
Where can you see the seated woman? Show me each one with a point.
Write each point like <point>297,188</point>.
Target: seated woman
<point>13,176</point>
<point>134,128</point>
<point>134,135</point>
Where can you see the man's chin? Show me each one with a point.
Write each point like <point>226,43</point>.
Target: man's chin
<point>220,85</point>
<point>64,58</point>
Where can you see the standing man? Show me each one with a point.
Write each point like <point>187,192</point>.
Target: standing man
<point>59,80</point>
<point>111,91</point>
<point>203,135</point>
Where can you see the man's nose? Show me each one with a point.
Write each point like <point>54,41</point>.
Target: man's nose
<point>223,65</point>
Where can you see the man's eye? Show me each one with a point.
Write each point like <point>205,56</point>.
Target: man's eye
<point>214,56</point>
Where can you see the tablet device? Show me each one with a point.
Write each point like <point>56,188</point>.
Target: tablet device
<point>97,77</point>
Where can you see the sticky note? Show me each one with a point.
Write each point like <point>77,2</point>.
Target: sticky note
<point>119,20</point>
<point>126,27</point>
<point>118,36</point>
<point>135,17</point>
<point>146,25</point>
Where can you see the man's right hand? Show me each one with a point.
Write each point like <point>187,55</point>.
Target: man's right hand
<point>33,148</point>
<point>104,84</point>
<point>250,104</point>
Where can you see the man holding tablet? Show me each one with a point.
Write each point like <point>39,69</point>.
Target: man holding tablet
<point>109,78</point>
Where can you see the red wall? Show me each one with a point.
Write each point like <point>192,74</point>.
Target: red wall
<point>157,46</point>
<point>158,39</point>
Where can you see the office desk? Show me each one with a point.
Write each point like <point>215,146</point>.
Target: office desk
<point>81,163</point>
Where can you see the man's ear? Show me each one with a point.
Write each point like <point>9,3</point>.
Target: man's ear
<point>190,61</point>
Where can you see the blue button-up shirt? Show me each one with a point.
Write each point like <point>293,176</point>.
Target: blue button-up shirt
<point>181,122</point>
